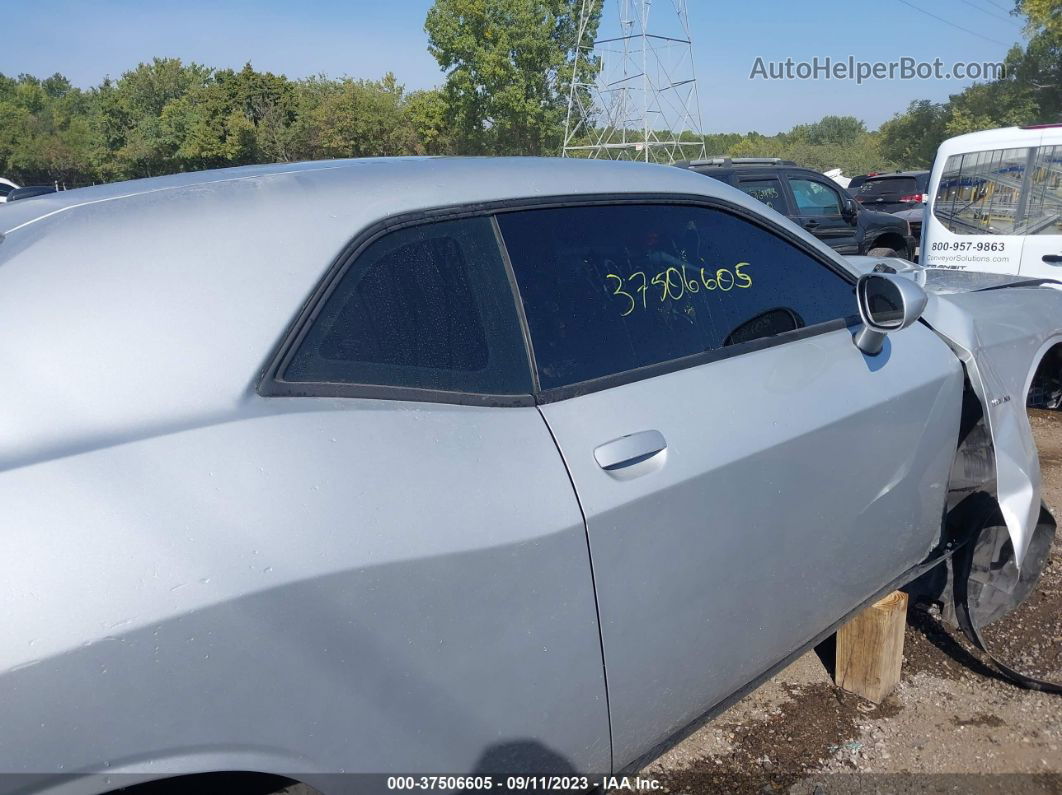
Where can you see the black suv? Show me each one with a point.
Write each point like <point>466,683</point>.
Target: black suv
<point>894,192</point>
<point>815,202</point>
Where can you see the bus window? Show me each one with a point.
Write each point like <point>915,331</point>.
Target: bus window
<point>1043,215</point>
<point>979,192</point>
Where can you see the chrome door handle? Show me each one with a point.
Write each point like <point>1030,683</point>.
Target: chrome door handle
<point>629,450</point>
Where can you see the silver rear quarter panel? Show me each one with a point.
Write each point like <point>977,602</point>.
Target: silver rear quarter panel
<point>317,585</point>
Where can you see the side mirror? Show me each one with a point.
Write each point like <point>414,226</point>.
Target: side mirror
<point>850,211</point>
<point>886,303</point>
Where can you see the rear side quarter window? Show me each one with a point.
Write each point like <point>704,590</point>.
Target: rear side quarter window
<point>427,307</point>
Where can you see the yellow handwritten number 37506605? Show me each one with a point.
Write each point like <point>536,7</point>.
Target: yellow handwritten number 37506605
<point>674,283</point>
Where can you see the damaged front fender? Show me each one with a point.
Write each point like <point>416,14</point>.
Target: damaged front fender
<point>1000,334</point>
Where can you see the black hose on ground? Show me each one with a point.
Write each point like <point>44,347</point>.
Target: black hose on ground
<point>963,566</point>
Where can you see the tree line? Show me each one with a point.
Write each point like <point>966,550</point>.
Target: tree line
<point>508,66</point>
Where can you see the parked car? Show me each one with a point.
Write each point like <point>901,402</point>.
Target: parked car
<point>30,192</point>
<point>893,192</point>
<point>6,186</point>
<point>837,175</point>
<point>914,218</point>
<point>386,465</point>
<point>813,201</point>
<point>855,182</point>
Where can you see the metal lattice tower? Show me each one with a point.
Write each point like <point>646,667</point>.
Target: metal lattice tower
<point>644,93</point>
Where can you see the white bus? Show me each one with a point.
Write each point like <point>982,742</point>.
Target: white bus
<point>995,203</point>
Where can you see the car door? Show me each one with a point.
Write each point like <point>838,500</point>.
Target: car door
<point>819,208</point>
<point>748,477</point>
<point>1041,253</point>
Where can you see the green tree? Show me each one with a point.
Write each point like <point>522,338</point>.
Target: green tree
<point>910,139</point>
<point>835,130</point>
<point>1039,67</point>
<point>353,118</point>
<point>46,135</point>
<point>508,66</point>
<point>1001,103</point>
<point>1042,16</point>
<point>429,116</point>
<point>234,118</point>
<point>132,120</point>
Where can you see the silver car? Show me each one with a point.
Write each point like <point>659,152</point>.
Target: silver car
<point>460,466</point>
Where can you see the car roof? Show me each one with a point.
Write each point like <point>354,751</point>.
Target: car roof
<point>725,161</point>
<point>890,174</point>
<point>323,204</point>
<point>743,170</point>
<point>1001,138</point>
<point>437,181</point>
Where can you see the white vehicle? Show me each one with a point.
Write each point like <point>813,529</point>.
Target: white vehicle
<point>6,186</point>
<point>996,203</point>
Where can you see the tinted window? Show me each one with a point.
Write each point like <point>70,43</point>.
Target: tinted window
<point>5,189</point>
<point>889,186</point>
<point>29,192</point>
<point>768,191</point>
<point>979,192</point>
<point>427,307</point>
<point>814,198</point>
<point>611,289</point>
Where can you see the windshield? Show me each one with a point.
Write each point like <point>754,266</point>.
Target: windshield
<point>900,186</point>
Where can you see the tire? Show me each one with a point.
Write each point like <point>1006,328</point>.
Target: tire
<point>885,252</point>
<point>1045,392</point>
<point>995,586</point>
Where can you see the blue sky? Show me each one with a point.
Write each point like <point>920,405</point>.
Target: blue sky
<point>365,38</point>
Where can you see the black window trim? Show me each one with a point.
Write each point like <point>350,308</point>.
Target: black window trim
<point>270,383</point>
<point>685,362</point>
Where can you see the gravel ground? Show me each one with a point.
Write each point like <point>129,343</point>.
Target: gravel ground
<point>948,723</point>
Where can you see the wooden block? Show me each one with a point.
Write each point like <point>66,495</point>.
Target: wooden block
<point>870,649</point>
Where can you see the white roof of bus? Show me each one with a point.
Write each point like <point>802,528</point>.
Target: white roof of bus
<point>1003,138</point>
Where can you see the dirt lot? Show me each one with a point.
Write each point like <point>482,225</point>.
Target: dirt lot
<point>948,721</point>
